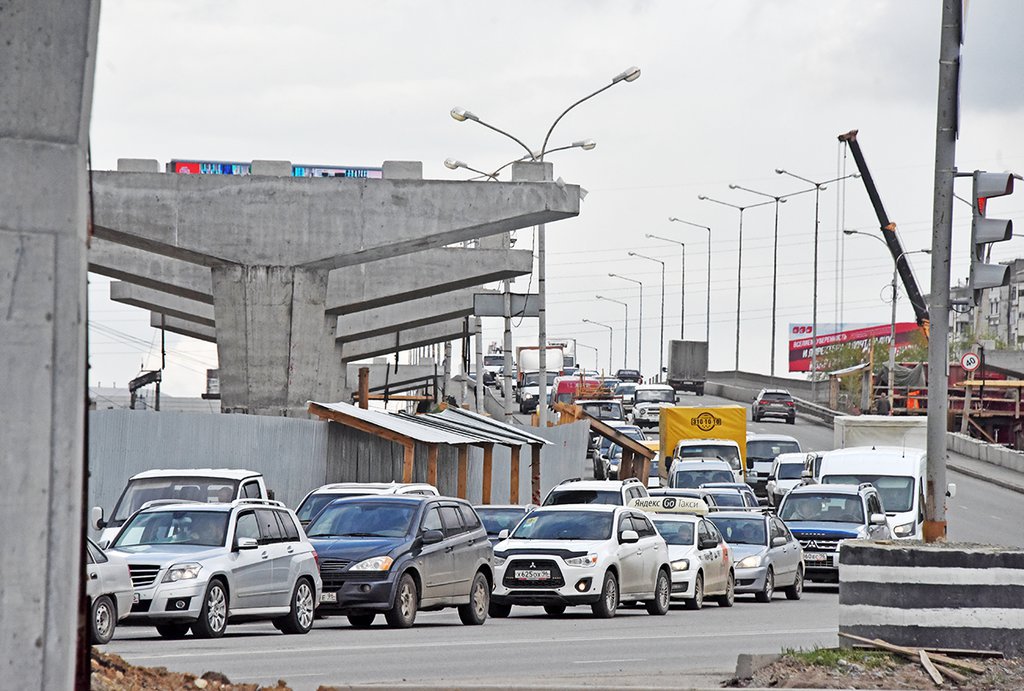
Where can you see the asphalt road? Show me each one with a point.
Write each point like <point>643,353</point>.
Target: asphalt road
<point>529,648</point>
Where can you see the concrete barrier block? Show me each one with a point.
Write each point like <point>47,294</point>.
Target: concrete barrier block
<point>747,664</point>
<point>138,165</point>
<point>281,169</point>
<point>403,170</point>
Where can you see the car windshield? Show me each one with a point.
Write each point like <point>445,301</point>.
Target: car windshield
<point>584,496</point>
<point>565,525</point>
<point>628,374</point>
<point>496,520</point>
<point>826,508</point>
<point>790,471</point>
<point>314,502</point>
<point>655,396</point>
<point>533,378</point>
<point>207,528</point>
<point>675,532</point>
<point>741,531</point>
<point>204,489</point>
<point>625,389</point>
<point>692,479</point>
<point>765,449</point>
<point>494,360</point>
<point>896,491</point>
<point>603,410</point>
<point>727,497</point>
<point>363,519</point>
<point>725,452</point>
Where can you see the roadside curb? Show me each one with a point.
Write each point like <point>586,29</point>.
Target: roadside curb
<point>1005,484</point>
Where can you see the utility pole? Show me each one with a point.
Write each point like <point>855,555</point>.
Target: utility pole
<point>942,230</point>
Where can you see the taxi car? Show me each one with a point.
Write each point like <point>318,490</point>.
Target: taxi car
<point>700,558</point>
<point>766,553</point>
<point>582,554</point>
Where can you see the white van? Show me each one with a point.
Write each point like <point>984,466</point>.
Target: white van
<point>899,475</point>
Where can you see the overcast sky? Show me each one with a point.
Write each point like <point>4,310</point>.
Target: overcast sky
<point>729,92</point>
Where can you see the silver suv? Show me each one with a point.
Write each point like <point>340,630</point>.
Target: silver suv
<point>196,566</point>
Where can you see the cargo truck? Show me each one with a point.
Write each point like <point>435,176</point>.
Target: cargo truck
<point>703,422</point>
<point>528,360</point>
<point>880,430</point>
<point>688,365</point>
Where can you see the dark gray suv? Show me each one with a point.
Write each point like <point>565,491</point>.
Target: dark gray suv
<point>397,554</point>
<point>774,403</point>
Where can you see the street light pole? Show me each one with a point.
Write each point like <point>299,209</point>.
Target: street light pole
<point>590,347</point>
<point>625,330</point>
<point>661,344</point>
<point>640,324</point>
<point>707,307</point>
<point>611,333</point>
<point>682,301</point>
<point>818,187</point>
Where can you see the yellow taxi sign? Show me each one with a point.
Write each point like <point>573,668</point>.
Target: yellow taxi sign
<point>690,505</point>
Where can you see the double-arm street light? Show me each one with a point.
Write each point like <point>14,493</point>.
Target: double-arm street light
<point>818,187</point>
<point>892,323</point>
<point>661,342</point>
<point>640,323</point>
<point>460,114</point>
<point>625,330</point>
<point>739,264</point>
<point>455,164</point>
<point>611,334</point>
<point>707,307</point>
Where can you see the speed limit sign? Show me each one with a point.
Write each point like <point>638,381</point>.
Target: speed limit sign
<point>970,362</point>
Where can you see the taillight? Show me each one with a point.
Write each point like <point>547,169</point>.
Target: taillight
<point>316,559</point>
<point>789,403</point>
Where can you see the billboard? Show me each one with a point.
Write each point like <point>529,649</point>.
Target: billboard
<point>832,335</point>
<point>300,170</point>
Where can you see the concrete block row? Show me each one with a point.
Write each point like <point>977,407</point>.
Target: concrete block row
<point>983,451</point>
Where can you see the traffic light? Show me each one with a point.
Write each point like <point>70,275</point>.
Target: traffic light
<point>986,230</point>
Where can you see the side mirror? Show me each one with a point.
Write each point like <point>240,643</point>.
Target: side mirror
<point>951,490</point>
<point>707,544</point>
<point>247,543</point>
<point>806,474</point>
<point>432,537</point>
<point>878,519</point>
<point>503,534</point>
<point>629,536</point>
<point>96,518</point>
<point>779,541</point>
<point>271,494</point>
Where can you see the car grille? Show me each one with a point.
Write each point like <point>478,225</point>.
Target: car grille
<point>819,545</point>
<point>143,575</point>
<point>332,572</point>
<point>510,581</point>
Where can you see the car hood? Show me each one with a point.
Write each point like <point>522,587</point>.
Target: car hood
<point>141,554</point>
<point>546,546</point>
<point>837,530</point>
<point>741,551</point>
<point>355,548</point>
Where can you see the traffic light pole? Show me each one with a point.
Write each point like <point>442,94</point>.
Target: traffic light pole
<point>942,230</point>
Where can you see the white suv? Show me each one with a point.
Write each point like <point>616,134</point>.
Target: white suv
<point>597,555</point>
<point>577,491</point>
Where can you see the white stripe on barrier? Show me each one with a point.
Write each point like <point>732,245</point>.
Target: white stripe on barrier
<point>929,575</point>
<point>962,618</point>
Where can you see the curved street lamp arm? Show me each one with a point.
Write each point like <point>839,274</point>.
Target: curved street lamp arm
<point>644,256</point>
<point>695,225</point>
<point>544,146</point>
<point>658,237</point>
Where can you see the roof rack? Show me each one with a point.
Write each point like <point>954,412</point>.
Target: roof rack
<point>164,502</point>
<point>259,502</point>
<point>571,479</point>
<point>864,484</point>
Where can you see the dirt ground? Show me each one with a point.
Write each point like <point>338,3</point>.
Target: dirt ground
<point>112,673</point>
<point>855,669</point>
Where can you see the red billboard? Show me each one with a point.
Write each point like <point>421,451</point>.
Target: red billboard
<point>800,341</point>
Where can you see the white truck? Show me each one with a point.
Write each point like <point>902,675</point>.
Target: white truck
<point>880,430</point>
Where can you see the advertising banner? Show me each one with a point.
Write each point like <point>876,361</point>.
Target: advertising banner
<point>832,335</point>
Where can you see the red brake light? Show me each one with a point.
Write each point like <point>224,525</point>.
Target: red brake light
<point>789,403</point>
<point>316,559</point>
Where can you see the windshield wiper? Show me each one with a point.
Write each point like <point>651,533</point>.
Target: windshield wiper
<point>360,535</point>
<point>324,535</point>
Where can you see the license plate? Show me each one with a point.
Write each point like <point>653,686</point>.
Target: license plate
<point>329,597</point>
<point>135,598</point>
<point>814,556</point>
<point>532,575</point>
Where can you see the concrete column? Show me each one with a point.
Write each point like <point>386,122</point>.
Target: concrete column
<point>274,340</point>
<point>47,49</point>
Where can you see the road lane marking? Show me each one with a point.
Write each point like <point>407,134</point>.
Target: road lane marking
<point>594,662</point>
<point>378,647</point>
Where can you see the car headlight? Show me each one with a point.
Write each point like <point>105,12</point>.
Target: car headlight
<point>182,572</point>
<point>681,565</point>
<point>586,560</point>
<point>527,395</point>
<point>373,564</point>
<point>904,530</point>
<point>499,561</point>
<point>751,562</point>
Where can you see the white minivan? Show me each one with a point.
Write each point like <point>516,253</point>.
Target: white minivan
<point>899,475</point>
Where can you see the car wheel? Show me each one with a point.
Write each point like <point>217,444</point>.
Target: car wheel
<point>403,613</point>
<point>796,591</point>
<point>769,587</point>
<point>791,421</point>
<point>496,611</point>
<point>697,601</point>
<point>605,607</point>
<point>213,617</point>
<point>662,595</point>
<point>102,620</point>
<point>729,598</point>
<point>361,621</point>
<point>172,631</point>
<point>300,618</point>
<point>555,610</point>
<point>475,612</point>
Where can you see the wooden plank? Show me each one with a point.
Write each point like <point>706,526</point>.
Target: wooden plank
<point>432,465</point>
<point>408,461</point>
<point>463,471</point>
<point>488,467</point>
<point>535,474</point>
<point>364,387</point>
<point>912,652</point>
<point>982,432</point>
<point>959,652</point>
<point>967,412</point>
<point>930,668</point>
<point>513,478</point>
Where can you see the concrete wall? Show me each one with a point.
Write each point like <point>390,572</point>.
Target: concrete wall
<point>934,596</point>
<point>983,451</point>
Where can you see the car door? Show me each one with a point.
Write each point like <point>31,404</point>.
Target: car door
<point>784,557</point>
<point>479,548</point>
<point>874,505</point>
<point>287,569</point>
<point>654,551</point>
<point>710,556</point>
<point>630,558</point>
<point>272,540</point>
<point>435,561</point>
<point>251,569</point>
<point>462,550</point>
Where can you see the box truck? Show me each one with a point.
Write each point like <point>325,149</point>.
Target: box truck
<point>688,365</point>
